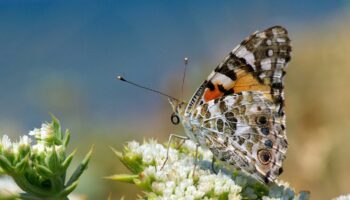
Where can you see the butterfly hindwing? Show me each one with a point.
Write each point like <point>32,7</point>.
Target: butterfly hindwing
<point>244,131</point>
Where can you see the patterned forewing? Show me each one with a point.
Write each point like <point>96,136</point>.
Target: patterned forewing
<point>257,64</point>
<point>244,131</point>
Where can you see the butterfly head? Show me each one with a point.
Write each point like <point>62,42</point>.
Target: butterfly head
<point>179,110</point>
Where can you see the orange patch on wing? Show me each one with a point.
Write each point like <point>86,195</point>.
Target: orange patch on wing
<point>247,82</point>
<point>212,94</point>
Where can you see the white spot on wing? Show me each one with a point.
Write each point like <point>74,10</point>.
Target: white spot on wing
<point>222,79</point>
<point>262,75</point>
<point>281,40</point>
<point>268,42</point>
<point>275,31</point>
<point>266,64</point>
<point>277,74</point>
<point>261,35</point>
<point>281,60</point>
<point>270,52</point>
<point>280,63</point>
<point>247,55</point>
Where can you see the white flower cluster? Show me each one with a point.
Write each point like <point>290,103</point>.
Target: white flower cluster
<point>7,146</point>
<point>176,181</point>
<point>42,135</point>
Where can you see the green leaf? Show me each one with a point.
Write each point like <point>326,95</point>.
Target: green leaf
<point>23,164</point>
<point>117,153</point>
<point>5,164</point>
<point>56,127</point>
<point>145,184</point>
<point>70,188</point>
<point>68,160</point>
<point>81,168</point>
<point>44,171</point>
<point>14,197</point>
<point>132,162</point>
<point>127,178</point>
<point>66,138</point>
<point>27,196</point>
<point>57,132</point>
<point>53,160</point>
<point>2,171</point>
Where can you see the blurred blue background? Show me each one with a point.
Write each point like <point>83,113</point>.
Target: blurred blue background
<point>63,56</point>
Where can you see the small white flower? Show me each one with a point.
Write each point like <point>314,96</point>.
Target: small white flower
<point>234,196</point>
<point>149,171</point>
<point>36,132</point>
<point>191,146</point>
<point>6,143</point>
<point>133,145</point>
<point>61,150</point>
<point>38,148</point>
<point>24,140</point>
<point>15,148</point>
<point>169,188</point>
<point>158,187</point>
<point>46,131</point>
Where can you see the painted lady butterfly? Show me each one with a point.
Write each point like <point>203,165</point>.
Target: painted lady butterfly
<point>238,111</point>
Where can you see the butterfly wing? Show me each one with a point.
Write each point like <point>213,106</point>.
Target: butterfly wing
<point>244,131</point>
<point>257,64</point>
<point>238,112</point>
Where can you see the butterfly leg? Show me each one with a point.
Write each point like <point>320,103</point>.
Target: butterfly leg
<point>184,138</point>
<point>195,161</point>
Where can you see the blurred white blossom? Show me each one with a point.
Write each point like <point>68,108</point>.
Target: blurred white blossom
<point>8,187</point>
<point>44,133</point>
<point>6,143</point>
<point>343,197</point>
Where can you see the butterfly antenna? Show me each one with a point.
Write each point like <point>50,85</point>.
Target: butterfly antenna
<point>183,77</point>
<point>146,88</point>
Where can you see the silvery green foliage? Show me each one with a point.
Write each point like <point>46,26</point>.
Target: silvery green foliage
<point>38,163</point>
<point>176,179</point>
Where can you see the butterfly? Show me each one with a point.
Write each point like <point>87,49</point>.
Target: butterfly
<point>238,111</point>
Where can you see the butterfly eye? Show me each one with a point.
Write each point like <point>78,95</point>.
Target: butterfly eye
<point>175,119</point>
<point>264,156</point>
